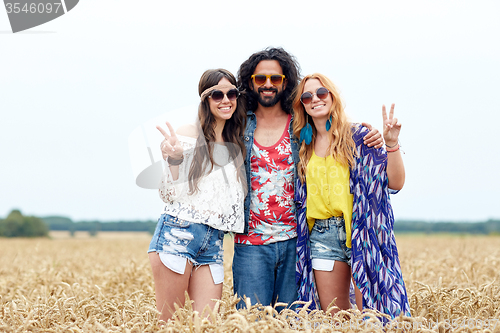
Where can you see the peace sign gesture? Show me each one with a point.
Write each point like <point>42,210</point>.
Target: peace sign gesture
<point>171,146</point>
<point>391,127</point>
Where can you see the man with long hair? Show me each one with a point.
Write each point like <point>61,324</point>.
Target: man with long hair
<point>264,261</point>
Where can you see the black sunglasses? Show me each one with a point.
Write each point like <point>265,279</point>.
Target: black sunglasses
<point>217,96</point>
<point>307,97</point>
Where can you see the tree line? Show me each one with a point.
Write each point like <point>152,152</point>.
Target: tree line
<point>64,223</point>
<point>488,227</point>
<point>18,225</point>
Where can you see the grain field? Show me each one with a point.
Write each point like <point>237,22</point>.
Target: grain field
<point>104,284</point>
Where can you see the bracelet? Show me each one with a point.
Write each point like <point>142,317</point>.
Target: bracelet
<point>172,161</point>
<point>397,143</point>
<point>393,150</point>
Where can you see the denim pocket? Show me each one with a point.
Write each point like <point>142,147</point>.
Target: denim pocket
<point>319,228</point>
<point>173,221</point>
<point>342,235</point>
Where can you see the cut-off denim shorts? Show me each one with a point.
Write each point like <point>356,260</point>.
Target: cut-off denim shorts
<point>177,240</point>
<point>328,243</point>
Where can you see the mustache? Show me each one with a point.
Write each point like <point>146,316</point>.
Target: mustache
<point>261,89</point>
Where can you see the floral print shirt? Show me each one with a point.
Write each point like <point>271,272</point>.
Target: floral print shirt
<point>272,209</point>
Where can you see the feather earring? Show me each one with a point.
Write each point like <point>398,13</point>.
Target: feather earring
<point>306,132</point>
<point>329,123</point>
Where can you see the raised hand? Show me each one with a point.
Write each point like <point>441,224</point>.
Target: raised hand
<point>171,146</point>
<point>391,127</point>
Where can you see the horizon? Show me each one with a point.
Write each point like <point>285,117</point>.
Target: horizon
<point>403,220</point>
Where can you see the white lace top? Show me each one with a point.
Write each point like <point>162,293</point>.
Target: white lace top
<point>219,201</point>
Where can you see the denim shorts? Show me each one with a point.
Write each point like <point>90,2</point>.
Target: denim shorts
<point>177,240</point>
<point>328,241</point>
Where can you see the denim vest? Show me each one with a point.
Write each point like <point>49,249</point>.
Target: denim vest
<point>248,140</point>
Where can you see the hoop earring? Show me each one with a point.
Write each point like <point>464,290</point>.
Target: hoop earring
<point>329,123</point>
<point>306,132</point>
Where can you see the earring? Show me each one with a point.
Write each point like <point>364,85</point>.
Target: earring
<point>329,123</point>
<point>306,132</point>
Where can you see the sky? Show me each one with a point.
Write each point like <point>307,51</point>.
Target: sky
<point>73,90</point>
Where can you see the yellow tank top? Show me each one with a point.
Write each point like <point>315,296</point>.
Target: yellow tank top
<point>328,192</point>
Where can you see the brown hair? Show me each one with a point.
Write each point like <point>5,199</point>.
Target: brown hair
<point>232,133</point>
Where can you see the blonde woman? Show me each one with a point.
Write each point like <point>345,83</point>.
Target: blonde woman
<point>345,187</point>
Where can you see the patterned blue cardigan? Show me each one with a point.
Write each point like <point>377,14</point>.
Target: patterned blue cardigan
<point>375,261</point>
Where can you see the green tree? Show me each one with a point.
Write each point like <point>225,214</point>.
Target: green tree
<point>17,225</point>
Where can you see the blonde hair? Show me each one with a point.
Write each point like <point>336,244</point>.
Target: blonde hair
<point>342,147</point>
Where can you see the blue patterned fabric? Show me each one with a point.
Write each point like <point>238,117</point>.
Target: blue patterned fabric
<point>375,260</point>
<point>304,275</point>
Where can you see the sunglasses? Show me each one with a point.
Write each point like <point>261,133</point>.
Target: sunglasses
<point>260,79</point>
<point>217,96</point>
<point>307,97</point>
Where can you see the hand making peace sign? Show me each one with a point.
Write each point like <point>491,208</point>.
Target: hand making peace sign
<point>171,146</point>
<point>391,127</point>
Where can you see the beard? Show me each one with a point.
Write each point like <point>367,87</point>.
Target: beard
<point>267,101</point>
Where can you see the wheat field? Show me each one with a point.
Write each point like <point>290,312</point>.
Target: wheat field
<point>104,284</point>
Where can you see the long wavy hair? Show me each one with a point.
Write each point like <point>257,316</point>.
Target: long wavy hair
<point>289,65</point>
<point>341,146</point>
<point>232,133</point>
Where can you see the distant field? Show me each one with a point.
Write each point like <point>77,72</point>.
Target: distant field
<point>104,283</point>
<point>100,235</point>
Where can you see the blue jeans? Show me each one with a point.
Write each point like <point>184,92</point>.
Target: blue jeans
<point>265,273</point>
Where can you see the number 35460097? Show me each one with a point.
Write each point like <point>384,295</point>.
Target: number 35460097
<point>32,8</point>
